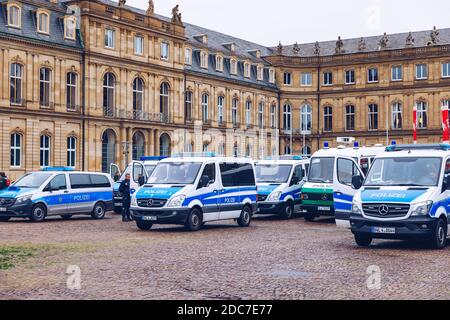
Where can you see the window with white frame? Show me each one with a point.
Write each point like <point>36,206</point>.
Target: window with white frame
<point>248,113</point>
<point>203,59</point>
<point>273,116</point>
<point>247,70</point>
<point>373,116</point>
<point>397,118</point>
<point>328,78</point>
<point>43,22</point>
<point>205,108</point>
<point>188,56</point>
<point>372,75</point>
<point>421,71</point>
<point>14,16</point>
<point>109,83</point>
<point>220,103</point>
<point>219,63</point>
<point>15,79</point>
<point>44,87</point>
<point>446,70</point>
<point>71,152</point>
<point>328,118</point>
<point>287,79</point>
<point>188,106</point>
<point>306,79</point>
<point>139,45</point>
<point>422,115</point>
<point>349,118</point>
<point>397,73</point>
<point>110,38</point>
<point>71,90</point>
<point>44,151</point>
<point>69,27</point>
<point>349,76</point>
<point>287,117</point>
<point>261,115</point>
<point>260,73</point>
<point>272,76</point>
<point>165,51</point>
<point>138,98</point>
<point>234,111</point>
<point>306,119</point>
<point>16,150</point>
<point>287,149</point>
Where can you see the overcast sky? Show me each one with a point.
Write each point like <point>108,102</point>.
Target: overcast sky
<point>268,21</point>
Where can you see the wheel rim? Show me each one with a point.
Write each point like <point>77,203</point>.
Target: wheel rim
<point>38,212</point>
<point>441,235</point>
<point>288,211</point>
<point>195,220</point>
<point>246,216</point>
<point>99,211</point>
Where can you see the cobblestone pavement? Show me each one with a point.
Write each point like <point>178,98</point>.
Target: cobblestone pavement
<point>273,259</point>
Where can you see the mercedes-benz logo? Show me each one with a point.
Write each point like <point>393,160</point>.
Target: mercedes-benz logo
<point>2,202</point>
<point>324,197</point>
<point>383,210</point>
<point>150,202</point>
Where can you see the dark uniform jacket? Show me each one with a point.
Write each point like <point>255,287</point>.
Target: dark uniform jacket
<point>125,191</point>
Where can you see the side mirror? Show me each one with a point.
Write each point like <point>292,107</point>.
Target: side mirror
<point>357,182</point>
<point>204,181</point>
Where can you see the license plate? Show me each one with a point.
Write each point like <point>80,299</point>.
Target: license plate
<point>149,218</point>
<point>117,204</point>
<point>2,209</point>
<point>324,208</point>
<point>383,230</point>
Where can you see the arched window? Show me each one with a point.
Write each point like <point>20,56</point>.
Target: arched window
<point>138,145</point>
<point>164,101</point>
<point>328,119</point>
<point>248,113</point>
<point>44,87</point>
<point>261,115</point>
<point>108,149</point>
<point>109,83</point>
<point>15,76</point>
<point>71,91</point>
<point>287,117</point>
<point>16,150</point>
<point>373,116</point>
<point>44,151</point>
<point>220,102</point>
<point>234,111</point>
<point>188,106</point>
<point>205,107</point>
<point>273,116</point>
<point>14,16</point>
<point>43,22</point>
<point>397,117</point>
<point>138,97</point>
<point>422,115</point>
<point>164,145</point>
<point>306,119</point>
<point>72,152</point>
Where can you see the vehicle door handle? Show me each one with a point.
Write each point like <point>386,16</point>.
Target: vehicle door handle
<point>66,191</point>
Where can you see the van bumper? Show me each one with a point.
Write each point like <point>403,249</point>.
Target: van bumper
<point>162,216</point>
<point>314,210</point>
<point>271,207</point>
<point>413,228</point>
<point>22,210</point>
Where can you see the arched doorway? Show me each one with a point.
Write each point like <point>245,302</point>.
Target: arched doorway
<point>164,145</point>
<point>108,149</point>
<point>138,145</point>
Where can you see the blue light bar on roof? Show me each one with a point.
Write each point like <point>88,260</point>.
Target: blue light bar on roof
<point>326,145</point>
<point>51,169</point>
<point>356,145</point>
<point>439,147</point>
<point>153,158</point>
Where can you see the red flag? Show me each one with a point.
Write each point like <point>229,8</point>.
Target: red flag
<point>445,125</point>
<point>415,124</point>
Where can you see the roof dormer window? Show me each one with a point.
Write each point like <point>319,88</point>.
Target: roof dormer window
<point>256,53</point>
<point>43,21</point>
<point>14,15</point>
<point>219,63</point>
<point>230,46</point>
<point>260,73</point>
<point>246,69</point>
<point>272,76</point>
<point>70,27</point>
<point>233,66</point>
<point>204,59</point>
<point>203,38</point>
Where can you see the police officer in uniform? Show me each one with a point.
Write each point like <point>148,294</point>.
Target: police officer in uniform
<point>3,181</point>
<point>124,189</point>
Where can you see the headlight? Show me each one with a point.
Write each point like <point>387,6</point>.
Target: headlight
<point>422,208</point>
<point>176,201</point>
<point>356,208</point>
<point>134,201</point>
<point>274,196</point>
<point>23,199</point>
<point>305,196</point>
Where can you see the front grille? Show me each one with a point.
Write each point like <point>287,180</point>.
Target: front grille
<point>152,203</point>
<point>262,198</point>
<point>6,202</point>
<point>386,210</point>
<point>320,196</point>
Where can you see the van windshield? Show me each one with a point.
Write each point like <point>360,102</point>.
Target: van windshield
<point>126,171</point>
<point>32,180</point>
<point>149,169</point>
<point>273,173</point>
<point>175,173</point>
<point>405,171</point>
<point>321,170</point>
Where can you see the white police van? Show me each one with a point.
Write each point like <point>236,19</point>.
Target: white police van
<point>193,189</point>
<point>139,171</point>
<point>406,195</point>
<point>329,183</point>
<point>280,182</point>
<point>57,191</point>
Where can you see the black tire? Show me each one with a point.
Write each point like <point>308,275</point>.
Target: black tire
<point>246,217</point>
<point>144,225</point>
<point>99,211</point>
<point>288,211</point>
<point>66,216</point>
<point>4,219</point>
<point>310,217</point>
<point>194,221</point>
<point>38,213</point>
<point>439,239</point>
<point>363,241</point>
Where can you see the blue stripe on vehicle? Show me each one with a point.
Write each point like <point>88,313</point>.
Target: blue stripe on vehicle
<point>71,198</point>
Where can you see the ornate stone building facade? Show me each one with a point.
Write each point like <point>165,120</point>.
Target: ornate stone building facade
<point>90,83</point>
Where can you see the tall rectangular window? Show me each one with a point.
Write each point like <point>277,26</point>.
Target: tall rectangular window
<point>15,79</point>
<point>234,111</point>
<point>328,78</point>
<point>43,22</point>
<point>328,119</point>
<point>422,115</point>
<point>187,56</point>
<point>349,118</point>
<point>71,151</point>
<point>248,113</point>
<point>16,150</point>
<point>306,79</point>
<point>421,71</point>
<point>373,116</point>
<point>287,79</point>
<point>188,106</point>
<point>44,86</point>
<point>139,45</point>
<point>372,75</point>
<point>71,91</point>
<point>273,116</point>
<point>164,51</point>
<point>110,38</point>
<point>350,77</point>
<point>44,151</point>
<point>220,102</point>
<point>446,70</point>
<point>397,73</point>
<point>261,115</point>
<point>397,116</point>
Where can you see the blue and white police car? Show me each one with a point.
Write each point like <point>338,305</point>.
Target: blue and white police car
<point>57,192</point>
<point>280,181</point>
<point>193,189</point>
<point>406,195</point>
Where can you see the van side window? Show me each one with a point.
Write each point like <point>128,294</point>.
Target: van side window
<point>58,183</point>
<point>245,175</point>
<point>346,170</point>
<point>210,171</point>
<point>99,181</point>
<point>227,173</point>
<point>80,181</point>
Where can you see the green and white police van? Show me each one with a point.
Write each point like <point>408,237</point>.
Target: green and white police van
<point>324,182</point>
